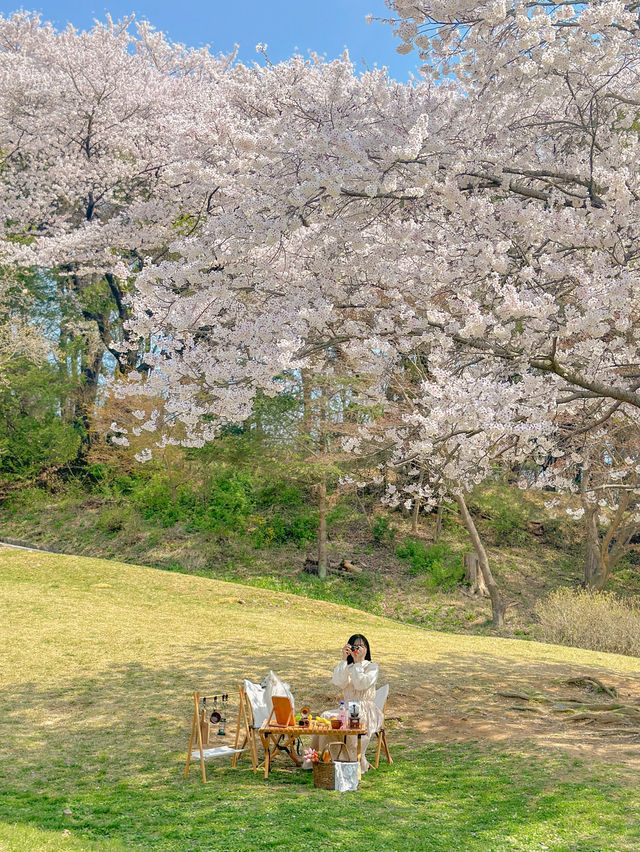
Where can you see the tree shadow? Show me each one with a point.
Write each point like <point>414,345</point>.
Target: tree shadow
<point>111,749</point>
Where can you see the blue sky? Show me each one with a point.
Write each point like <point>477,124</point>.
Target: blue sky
<point>326,27</point>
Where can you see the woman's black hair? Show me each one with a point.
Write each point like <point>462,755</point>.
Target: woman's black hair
<point>362,638</point>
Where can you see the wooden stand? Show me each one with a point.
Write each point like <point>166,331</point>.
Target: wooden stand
<point>200,731</point>
<point>196,727</point>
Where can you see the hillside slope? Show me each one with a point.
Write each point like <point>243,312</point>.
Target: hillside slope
<point>531,553</point>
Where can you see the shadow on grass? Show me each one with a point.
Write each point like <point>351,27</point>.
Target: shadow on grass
<point>111,750</point>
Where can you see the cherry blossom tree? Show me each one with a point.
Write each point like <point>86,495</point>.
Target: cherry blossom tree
<point>97,132</point>
<point>366,216</point>
<point>555,92</point>
<point>491,207</point>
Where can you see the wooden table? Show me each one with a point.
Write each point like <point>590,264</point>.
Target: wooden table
<point>277,738</point>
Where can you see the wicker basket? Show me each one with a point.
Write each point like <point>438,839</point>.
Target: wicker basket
<point>323,776</point>
<point>323,773</point>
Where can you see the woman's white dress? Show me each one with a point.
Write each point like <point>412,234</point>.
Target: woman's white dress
<point>358,683</point>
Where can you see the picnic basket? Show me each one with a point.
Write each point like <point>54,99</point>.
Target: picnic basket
<point>324,775</point>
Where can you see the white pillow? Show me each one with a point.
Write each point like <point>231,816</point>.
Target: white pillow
<point>255,694</point>
<point>274,686</point>
<point>381,696</point>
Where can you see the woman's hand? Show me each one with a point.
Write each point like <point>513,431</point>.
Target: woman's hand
<point>359,653</point>
<point>345,652</point>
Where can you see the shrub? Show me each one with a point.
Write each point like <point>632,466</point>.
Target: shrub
<point>112,520</point>
<point>439,562</point>
<point>383,532</point>
<point>228,507</point>
<point>223,508</point>
<point>280,493</point>
<point>278,529</point>
<point>509,525</point>
<point>600,621</point>
<point>156,502</point>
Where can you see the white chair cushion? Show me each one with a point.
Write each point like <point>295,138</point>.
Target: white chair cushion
<point>255,694</point>
<point>381,696</point>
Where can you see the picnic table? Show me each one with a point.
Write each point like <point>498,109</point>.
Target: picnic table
<point>283,738</point>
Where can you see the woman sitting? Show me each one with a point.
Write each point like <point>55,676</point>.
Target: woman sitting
<point>356,675</point>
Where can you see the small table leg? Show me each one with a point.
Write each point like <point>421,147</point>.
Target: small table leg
<point>265,745</point>
<point>268,753</point>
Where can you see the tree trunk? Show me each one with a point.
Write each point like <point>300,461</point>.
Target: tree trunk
<point>597,569</point>
<point>416,507</point>
<point>497,606</point>
<point>414,516</point>
<point>593,566</point>
<point>473,574</point>
<point>322,526</point>
<point>306,401</point>
<point>438,525</point>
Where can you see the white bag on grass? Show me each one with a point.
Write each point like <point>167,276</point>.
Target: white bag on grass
<point>347,776</point>
<point>346,773</point>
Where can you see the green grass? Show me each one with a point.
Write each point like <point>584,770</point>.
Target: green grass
<point>438,798</point>
<point>98,662</point>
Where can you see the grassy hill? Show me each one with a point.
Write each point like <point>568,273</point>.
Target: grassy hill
<point>98,662</point>
<point>531,553</point>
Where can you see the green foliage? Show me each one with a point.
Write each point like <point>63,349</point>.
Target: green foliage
<point>223,507</point>
<point>439,562</point>
<point>156,501</point>
<point>508,524</point>
<point>229,503</point>
<point>226,505</point>
<point>96,298</point>
<point>503,514</point>
<point>284,515</point>
<point>382,531</point>
<point>278,529</point>
<point>33,436</point>
<point>281,492</point>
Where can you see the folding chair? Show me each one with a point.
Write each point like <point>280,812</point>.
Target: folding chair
<point>380,699</point>
<point>249,721</point>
